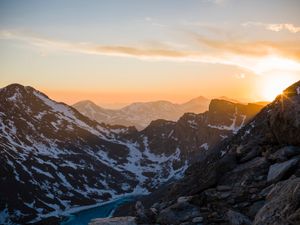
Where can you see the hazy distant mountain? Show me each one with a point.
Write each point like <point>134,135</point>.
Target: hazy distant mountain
<point>53,158</point>
<point>140,114</point>
<point>228,99</point>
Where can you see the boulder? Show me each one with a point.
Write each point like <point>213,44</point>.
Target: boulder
<point>236,218</point>
<point>255,207</point>
<point>198,219</point>
<point>278,170</point>
<point>114,221</point>
<point>282,204</point>
<point>178,213</point>
<point>184,199</point>
<point>285,153</point>
<point>294,218</point>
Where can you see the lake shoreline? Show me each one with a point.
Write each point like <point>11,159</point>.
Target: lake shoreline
<point>110,206</point>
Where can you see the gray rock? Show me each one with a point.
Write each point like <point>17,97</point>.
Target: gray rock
<point>156,206</point>
<point>295,218</point>
<point>187,223</point>
<point>114,221</point>
<point>178,213</point>
<point>236,218</point>
<point>254,163</point>
<point>224,195</point>
<point>223,188</point>
<point>285,153</point>
<point>278,170</point>
<point>167,217</point>
<point>197,219</point>
<point>255,207</point>
<point>282,204</point>
<point>163,205</point>
<point>250,155</point>
<point>266,191</point>
<point>184,199</point>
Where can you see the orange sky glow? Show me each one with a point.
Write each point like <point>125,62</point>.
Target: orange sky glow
<point>116,53</point>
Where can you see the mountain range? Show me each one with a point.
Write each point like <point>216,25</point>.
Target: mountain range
<point>250,178</point>
<point>55,159</point>
<point>140,114</point>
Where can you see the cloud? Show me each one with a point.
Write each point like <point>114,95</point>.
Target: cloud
<point>153,22</point>
<point>255,56</point>
<point>276,27</point>
<point>288,49</point>
<point>91,48</point>
<point>240,76</point>
<point>217,2</point>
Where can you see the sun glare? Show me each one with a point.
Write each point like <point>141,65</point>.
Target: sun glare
<point>275,86</point>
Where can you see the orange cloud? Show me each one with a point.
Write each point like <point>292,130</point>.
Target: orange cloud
<point>246,54</point>
<point>289,49</point>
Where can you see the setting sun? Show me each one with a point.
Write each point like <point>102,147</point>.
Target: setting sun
<point>274,86</point>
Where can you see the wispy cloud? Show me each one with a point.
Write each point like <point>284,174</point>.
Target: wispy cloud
<point>218,2</point>
<point>275,26</point>
<point>91,48</point>
<point>153,22</point>
<point>287,49</point>
<point>256,56</point>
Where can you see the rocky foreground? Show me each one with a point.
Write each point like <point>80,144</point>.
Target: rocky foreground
<point>251,178</point>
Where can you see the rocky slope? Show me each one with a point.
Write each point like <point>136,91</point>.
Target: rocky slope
<point>54,159</point>
<point>251,178</point>
<point>140,114</point>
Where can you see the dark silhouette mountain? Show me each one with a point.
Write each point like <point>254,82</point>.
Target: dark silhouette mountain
<point>140,114</point>
<point>252,177</point>
<point>54,159</point>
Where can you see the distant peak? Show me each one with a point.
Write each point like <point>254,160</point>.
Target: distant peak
<point>220,105</point>
<point>85,102</point>
<point>199,98</point>
<point>228,99</point>
<point>14,86</point>
<point>20,90</point>
<point>221,101</point>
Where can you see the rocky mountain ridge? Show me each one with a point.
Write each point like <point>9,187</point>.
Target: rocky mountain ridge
<point>252,177</point>
<point>54,159</point>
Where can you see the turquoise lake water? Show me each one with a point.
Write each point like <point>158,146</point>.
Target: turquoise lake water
<point>85,216</point>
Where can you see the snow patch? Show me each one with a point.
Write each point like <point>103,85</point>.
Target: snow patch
<point>205,146</point>
<point>42,172</point>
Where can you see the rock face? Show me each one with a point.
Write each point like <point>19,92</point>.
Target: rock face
<point>282,205</point>
<point>236,218</point>
<point>53,158</point>
<point>251,178</point>
<point>278,170</point>
<point>140,114</point>
<point>114,221</point>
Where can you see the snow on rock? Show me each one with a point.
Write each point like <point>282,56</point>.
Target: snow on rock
<point>205,146</point>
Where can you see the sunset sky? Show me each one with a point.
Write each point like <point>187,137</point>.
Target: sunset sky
<point>114,52</point>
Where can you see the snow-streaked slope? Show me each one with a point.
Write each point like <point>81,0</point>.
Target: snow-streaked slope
<point>53,159</point>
